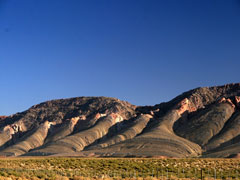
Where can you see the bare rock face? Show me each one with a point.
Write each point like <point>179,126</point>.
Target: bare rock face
<point>2,118</point>
<point>32,141</point>
<point>206,125</point>
<point>201,122</point>
<point>184,106</point>
<point>127,133</point>
<point>237,101</point>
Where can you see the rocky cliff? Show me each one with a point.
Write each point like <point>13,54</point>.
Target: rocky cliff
<point>201,122</point>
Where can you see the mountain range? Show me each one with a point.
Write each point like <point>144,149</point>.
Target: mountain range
<point>203,122</point>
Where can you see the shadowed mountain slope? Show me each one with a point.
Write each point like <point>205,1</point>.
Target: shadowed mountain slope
<point>201,122</point>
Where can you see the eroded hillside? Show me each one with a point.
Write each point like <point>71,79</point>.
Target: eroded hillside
<point>201,122</point>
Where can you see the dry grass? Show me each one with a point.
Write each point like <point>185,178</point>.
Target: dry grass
<point>115,168</point>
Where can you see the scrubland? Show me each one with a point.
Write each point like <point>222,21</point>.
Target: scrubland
<point>117,168</point>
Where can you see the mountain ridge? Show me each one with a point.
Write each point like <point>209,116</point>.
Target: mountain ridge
<point>201,122</point>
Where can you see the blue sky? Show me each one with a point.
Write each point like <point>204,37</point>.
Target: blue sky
<point>142,51</point>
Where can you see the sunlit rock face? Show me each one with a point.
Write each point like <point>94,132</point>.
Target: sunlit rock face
<point>237,100</point>
<point>201,122</point>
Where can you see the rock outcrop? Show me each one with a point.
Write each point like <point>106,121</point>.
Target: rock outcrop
<point>2,118</point>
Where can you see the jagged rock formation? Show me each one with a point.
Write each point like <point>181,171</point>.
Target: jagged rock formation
<point>201,122</point>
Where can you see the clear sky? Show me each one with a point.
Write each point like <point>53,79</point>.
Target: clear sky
<point>142,51</point>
